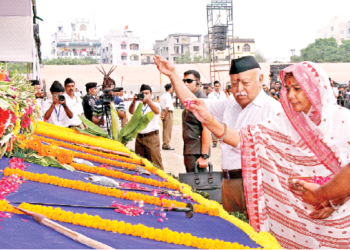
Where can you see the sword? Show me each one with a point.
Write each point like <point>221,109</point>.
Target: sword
<point>188,210</point>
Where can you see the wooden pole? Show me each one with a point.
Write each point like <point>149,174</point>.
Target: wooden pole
<point>43,220</point>
<point>160,81</point>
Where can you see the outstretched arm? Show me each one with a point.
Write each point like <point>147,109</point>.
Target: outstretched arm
<point>200,110</point>
<point>168,69</point>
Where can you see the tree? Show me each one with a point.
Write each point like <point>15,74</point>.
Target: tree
<point>186,59</point>
<point>295,59</point>
<point>259,56</point>
<point>70,61</point>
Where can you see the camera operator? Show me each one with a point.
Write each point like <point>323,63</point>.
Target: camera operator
<point>103,104</point>
<point>39,95</point>
<point>89,99</point>
<point>74,103</point>
<point>55,109</point>
<point>147,142</point>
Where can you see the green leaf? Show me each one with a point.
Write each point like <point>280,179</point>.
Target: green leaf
<point>144,121</point>
<point>92,126</point>
<point>115,122</point>
<point>68,167</point>
<point>132,124</point>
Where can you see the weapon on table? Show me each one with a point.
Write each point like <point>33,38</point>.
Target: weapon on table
<point>188,210</point>
<point>43,220</point>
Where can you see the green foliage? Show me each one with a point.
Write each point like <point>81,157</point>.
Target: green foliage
<point>295,59</point>
<point>325,50</point>
<point>259,56</point>
<point>70,61</point>
<point>240,216</point>
<point>186,59</point>
<point>202,193</point>
<point>20,67</point>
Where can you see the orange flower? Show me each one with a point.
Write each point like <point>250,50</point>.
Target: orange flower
<point>47,151</point>
<point>64,157</point>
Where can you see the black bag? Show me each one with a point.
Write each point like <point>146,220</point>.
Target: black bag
<point>209,182</point>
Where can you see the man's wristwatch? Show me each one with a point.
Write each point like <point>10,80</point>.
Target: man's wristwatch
<point>205,156</point>
<point>64,105</point>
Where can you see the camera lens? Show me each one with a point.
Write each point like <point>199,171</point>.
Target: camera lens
<point>61,98</point>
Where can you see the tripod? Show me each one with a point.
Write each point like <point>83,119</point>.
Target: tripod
<point>106,112</point>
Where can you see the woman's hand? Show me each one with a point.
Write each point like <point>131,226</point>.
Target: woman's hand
<point>323,211</point>
<point>199,109</point>
<point>164,66</point>
<point>309,191</point>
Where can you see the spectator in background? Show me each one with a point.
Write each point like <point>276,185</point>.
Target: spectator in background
<point>335,89</point>
<point>167,107</point>
<point>217,94</point>
<point>209,89</point>
<point>77,93</point>
<point>228,90</point>
<point>273,94</point>
<point>266,90</point>
<point>131,96</point>
<point>74,103</point>
<point>147,143</point>
<point>39,95</point>
<point>125,96</point>
<point>55,111</point>
<point>273,85</point>
<point>157,99</point>
<point>278,85</point>
<point>89,99</point>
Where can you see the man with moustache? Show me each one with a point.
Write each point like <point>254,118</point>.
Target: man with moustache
<point>74,103</point>
<point>248,105</point>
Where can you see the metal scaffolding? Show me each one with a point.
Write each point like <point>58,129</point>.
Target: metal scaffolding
<point>220,19</point>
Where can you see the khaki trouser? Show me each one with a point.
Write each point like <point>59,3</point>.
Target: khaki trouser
<point>190,161</point>
<point>232,196</point>
<point>149,148</point>
<point>167,129</point>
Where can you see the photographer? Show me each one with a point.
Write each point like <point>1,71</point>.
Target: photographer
<point>102,106</point>
<point>89,99</point>
<point>147,142</point>
<point>55,109</point>
<point>74,103</point>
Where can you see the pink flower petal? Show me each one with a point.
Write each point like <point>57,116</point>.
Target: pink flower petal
<point>160,220</point>
<point>24,220</point>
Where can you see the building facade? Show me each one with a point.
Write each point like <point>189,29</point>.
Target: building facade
<point>147,56</point>
<point>121,48</point>
<point>81,43</point>
<point>176,45</point>
<point>339,28</point>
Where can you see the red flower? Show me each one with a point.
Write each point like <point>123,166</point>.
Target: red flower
<point>4,116</point>
<point>13,117</point>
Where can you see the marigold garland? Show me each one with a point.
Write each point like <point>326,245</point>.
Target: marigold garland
<point>69,135</point>
<point>88,187</point>
<point>121,175</point>
<point>88,151</point>
<point>165,234</point>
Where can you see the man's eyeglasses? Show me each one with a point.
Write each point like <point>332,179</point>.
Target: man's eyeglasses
<point>188,80</point>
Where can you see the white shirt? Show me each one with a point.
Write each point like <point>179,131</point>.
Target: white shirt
<point>215,96</point>
<point>58,116</point>
<point>75,105</point>
<point>231,113</point>
<point>336,91</point>
<point>153,125</point>
<point>166,102</point>
<point>39,103</point>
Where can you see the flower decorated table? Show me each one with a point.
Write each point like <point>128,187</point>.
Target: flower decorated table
<point>46,164</point>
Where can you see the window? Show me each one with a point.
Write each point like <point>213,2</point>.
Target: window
<point>195,48</point>
<point>124,58</point>
<point>349,31</point>
<point>332,29</point>
<point>134,58</point>
<point>106,48</point>
<point>176,39</point>
<point>83,27</point>
<point>134,46</point>
<point>60,28</point>
<point>246,48</point>
<point>123,46</point>
<point>238,48</point>
<point>176,49</point>
<point>342,32</point>
<point>148,59</point>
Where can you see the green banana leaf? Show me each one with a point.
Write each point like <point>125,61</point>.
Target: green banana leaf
<point>115,122</point>
<point>143,123</point>
<point>132,124</point>
<point>92,126</point>
<point>90,132</point>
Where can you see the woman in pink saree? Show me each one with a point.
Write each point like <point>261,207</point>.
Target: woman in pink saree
<point>308,139</point>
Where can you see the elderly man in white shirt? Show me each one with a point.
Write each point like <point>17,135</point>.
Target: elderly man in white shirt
<point>74,103</point>
<point>249,105</point>
<point>167,106</point>
<point>55,110</point>
<point>217,94</point>
<point>147,142</point>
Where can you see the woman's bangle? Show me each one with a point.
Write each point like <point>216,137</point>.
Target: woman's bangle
<point>212,120</point>
<point>336,208</point>
<point>222,137</point>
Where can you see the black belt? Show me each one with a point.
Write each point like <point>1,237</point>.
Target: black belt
<point>232,174</point>
<point>71,126</point>
<point>149,134</point>
<point>169,111</point>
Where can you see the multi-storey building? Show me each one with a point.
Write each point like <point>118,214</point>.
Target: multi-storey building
<point>82,42</point>
<point>147,56</point>
<point>339,28</point>
<point>176,45</point>
<point>121,48</point>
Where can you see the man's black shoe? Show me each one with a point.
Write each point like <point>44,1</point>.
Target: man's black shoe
<point>168,148</point>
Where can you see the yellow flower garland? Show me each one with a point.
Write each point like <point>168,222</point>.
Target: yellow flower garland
<point>165,235</point>
<point>69,135</point>
<point>88,187</point>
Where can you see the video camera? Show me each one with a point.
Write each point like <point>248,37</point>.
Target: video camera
<point>106,97</point>
<point>61,98</point>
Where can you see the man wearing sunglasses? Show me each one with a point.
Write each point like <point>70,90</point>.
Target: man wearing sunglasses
<point>196,137</point>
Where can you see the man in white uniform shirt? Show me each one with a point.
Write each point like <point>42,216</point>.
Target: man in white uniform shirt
<point>217,94</point>
<point>55,111</point>
<point>167,106</point>
<point>74,103</point>
<point>248,106</point>
<point>147,141</point>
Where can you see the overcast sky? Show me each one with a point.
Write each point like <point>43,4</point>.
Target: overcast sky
<point>276,25</point>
